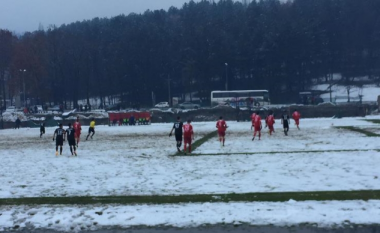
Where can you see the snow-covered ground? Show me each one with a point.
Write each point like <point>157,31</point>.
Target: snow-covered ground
<point>137,161</point>
<point>339,93</point>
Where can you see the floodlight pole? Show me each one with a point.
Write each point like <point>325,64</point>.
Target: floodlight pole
<point>226,84</point>
<point>23,83</point>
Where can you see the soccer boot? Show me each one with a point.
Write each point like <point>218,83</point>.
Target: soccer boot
<point>56,153</point>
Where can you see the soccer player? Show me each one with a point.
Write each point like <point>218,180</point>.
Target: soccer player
<point>285,122</point>
<point>188,135</point>
<point>296,116</point>
<point>177,127</point>
<point>78,128</point>
<point>257,125</point>
<point>60,133</point>
<point>253,119</point>
<point>269,121</point>
<point>91,129</point>
<point>222,127</point>
<point>70,132</point>
<point>42,129</point>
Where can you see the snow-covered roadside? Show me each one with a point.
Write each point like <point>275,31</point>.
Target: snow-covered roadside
<point>76,218</point>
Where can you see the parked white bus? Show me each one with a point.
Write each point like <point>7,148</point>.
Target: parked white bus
<point>241,98</point>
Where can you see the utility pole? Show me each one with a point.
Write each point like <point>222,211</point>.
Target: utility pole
<point>169,79</point>
<point>23,83</point>
<point>226,84</point>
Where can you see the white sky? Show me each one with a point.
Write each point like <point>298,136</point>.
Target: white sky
<point>25,15</point>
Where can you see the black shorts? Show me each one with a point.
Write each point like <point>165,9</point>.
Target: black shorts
<point>178,137</point>
<point>59,141</point>
<point>71,142</point>
<point>286,125</point>
<point>91,130</point>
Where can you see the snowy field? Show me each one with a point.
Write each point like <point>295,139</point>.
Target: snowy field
<point>138,161</point>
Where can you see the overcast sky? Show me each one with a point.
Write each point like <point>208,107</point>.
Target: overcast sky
<point>25,15</point>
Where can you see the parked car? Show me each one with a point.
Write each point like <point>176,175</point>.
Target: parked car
<point>189,105</point>
<point>162,105</point>
<point>55,108</point>
<point>11,109</point>
<point>39,108</point>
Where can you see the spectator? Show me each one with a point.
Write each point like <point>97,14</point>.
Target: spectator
<point>18,123</point>
<point>131,120</point>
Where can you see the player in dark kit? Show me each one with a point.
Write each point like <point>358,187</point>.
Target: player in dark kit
<point>285,122</point>
<point>59,139</point>
<point>42,129</point>
<point>177,127</point>
<point>70,132</point>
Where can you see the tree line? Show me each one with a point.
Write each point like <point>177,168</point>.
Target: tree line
<point>279,46</point>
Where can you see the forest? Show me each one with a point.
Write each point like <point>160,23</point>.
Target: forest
<point>283,47</point>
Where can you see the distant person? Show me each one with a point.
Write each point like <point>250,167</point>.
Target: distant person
<point>78,129</point>
<point>42,129</point>
<point>177,127</point>
<point>285,122</point>
<point>188,135</point>
<point>17,123</point>
<point>221,125</point>
<point>257,126</point>
<point>131,120</point>
<point>296,117</point>
<point>269,122</point>
<point>70,132</point>
<point>59,137</point>
<point>91,129</point>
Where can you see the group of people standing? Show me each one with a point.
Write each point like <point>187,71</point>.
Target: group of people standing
<point>72,133</point>
<point>186,130</point>
<point>270,121</point>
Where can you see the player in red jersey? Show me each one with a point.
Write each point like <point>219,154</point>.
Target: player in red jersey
<point>222,127</point>
<point>257,125</point>
<point>269,121</point>
<point>77,127</point>
<point>296,116</point>
<point>253,119</point>
<point>188,135</point>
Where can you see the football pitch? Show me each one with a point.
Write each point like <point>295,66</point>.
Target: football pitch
<point>327,160</point>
